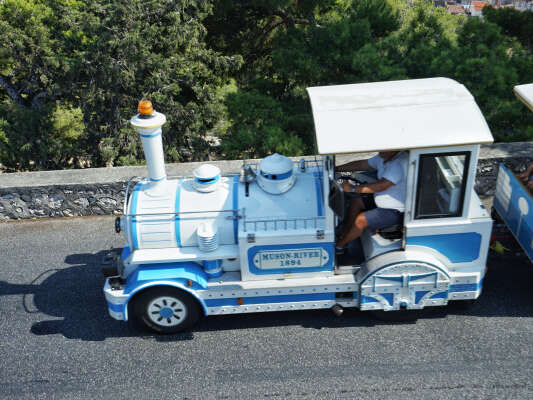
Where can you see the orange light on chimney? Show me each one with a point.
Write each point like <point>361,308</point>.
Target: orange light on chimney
<point>145,107</point>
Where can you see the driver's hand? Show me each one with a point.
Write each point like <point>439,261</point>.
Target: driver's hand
<point>524,176</point>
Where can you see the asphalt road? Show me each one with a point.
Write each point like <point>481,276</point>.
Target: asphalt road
<point>57,340</point>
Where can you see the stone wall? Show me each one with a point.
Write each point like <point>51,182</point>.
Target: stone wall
<point>516,156</point>
<point>100,191</point>
<point>61,200</point>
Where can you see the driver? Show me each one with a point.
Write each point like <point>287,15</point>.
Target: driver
<point>384,201</point>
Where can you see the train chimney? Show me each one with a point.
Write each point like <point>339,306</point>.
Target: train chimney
<point>148,123</point>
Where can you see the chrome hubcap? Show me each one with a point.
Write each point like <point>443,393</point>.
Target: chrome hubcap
<point>167,311</point>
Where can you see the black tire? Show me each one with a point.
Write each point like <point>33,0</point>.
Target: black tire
<point>495,216</point>
<point>165,309</point>
<point>462,305</point>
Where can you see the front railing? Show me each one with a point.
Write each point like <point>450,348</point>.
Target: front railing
<point>276,224</point>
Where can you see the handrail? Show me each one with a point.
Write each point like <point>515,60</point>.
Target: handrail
<point>294,162</point>
<point>143,179</point>
<point>224,175</point>
<point>182,212</point>
<point>286,221</point>
<point>138,179</point>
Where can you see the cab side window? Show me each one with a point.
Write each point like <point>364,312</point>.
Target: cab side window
<point>441,185</point>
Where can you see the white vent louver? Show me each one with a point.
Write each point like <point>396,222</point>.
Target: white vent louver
<point>207,235</point>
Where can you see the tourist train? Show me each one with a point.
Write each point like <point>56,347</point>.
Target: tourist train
<point>263,238</point>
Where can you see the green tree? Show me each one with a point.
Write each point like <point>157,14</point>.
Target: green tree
<point>338,44</point>
<point>423,43</point>
<point>514,23</point>
<point>489,64</point>
<point>249,27</point>
<point>101,57</point>
<point>260,127</point>
<point>154,50</point>
<point>39,126</point>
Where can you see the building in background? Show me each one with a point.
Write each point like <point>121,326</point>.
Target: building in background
<point>455,9</point>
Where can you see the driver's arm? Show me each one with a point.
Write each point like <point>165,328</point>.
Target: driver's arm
<point>374,187</point>
<point>359,165</point>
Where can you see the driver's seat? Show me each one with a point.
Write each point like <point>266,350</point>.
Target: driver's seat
<point>392,232</point>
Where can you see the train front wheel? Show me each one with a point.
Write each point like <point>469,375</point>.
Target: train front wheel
<point>165,310</point>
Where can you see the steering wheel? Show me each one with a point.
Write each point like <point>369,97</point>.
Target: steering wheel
<point>336,198</point>
<point>348,178</point>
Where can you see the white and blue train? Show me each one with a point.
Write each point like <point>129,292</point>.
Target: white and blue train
<point>262,239</point>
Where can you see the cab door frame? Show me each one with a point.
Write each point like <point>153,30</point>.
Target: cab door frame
<point>413,184</point>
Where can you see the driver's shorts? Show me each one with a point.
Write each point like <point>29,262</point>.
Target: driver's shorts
<point>379,218</point>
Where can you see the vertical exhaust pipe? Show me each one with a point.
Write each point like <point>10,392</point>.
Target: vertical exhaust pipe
<point>148,124</point>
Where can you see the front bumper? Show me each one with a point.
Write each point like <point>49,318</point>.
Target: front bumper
<point>117,302</point>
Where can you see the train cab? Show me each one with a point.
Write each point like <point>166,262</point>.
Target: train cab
<point>439,127</point>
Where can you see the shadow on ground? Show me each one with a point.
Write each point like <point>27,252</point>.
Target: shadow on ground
<point>73,297</point>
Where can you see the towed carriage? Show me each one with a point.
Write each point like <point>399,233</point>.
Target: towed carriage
<point>513,202</point>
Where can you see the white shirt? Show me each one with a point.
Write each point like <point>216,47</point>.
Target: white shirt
<point>394,170</point>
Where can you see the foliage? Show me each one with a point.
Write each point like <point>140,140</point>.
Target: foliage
<point>101,57</point>
<point>374,40</point>
<point>514,23</point>
<point>60,136</point>
<point>72,71</point>
<point>340,44</point>
<point>262,127</point>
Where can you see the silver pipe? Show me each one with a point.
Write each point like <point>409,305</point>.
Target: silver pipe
<point>180,213</point>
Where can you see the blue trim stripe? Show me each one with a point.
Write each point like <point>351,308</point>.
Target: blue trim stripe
<point>211,275</point>
<point>368,299</point>
<point>419,295</point>
<point>157,179</point>
<point>270,299</point>
<point>235,207</point>
<point>168,272</point>
<point>440,295</point>
<point>207,181</point>
<point>177,217</point>
<point>458,247</point>
<point>119,308</point>
<point>126,251</point>
<point>389,297</point>
<point>319,196</point>
<point>465,287</point>
<point>150,136</point>
<point>134,200</point>
<point>212,268</point>
<point>278,177</point>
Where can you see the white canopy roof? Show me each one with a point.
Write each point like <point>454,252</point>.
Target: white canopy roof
<point>525,94</point>
<point>396,115</point>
